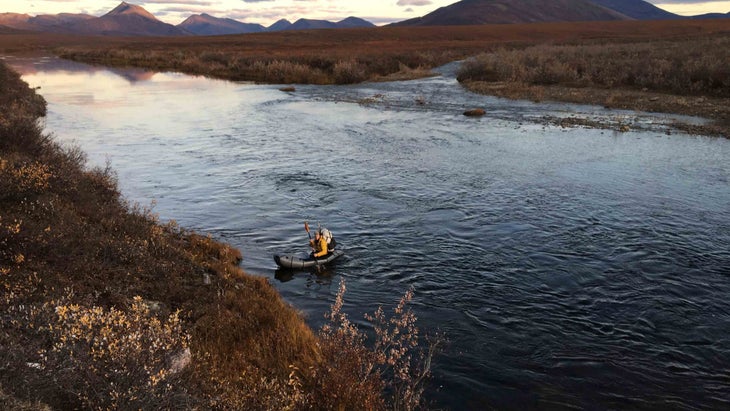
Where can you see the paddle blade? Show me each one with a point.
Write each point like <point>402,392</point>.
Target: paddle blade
<point>306,227</point>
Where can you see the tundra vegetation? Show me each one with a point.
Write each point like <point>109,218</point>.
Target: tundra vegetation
<point>106,307</point>
<point>681,75</point>
<point>673,66</point>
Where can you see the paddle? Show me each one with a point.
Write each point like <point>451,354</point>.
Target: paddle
<point>306,227</point>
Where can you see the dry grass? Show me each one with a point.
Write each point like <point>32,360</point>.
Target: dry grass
<point>397,362</point>
<point>682,75</point>
<point>686,67</point>
<point>339,56</point>
<point>9,402</point>
<point>321,68</point>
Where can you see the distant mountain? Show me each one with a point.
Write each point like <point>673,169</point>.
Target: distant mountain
<point>474,12</point>
<point>282,24</point>
<point>127,20</point>
<point>352,22</point>
<point>46,22</point>
<point>51,22</point>
<point>9,30</point>
<point>132,20</point>
<point>309,24</point>
<point>16,21</point>
<point>207,25</point>
<point>712,16</point>
<point>127,9</point>
<point>637,9</point>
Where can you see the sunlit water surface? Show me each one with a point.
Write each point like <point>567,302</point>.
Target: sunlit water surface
<point>567,267</point>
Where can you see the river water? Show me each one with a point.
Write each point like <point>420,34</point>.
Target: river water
<point>568,267</point>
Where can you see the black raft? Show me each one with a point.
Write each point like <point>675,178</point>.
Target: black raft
<point>294,262</point>
<point>290,261</point>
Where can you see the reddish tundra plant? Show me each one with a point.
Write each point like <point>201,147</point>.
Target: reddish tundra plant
<point>353,376</point>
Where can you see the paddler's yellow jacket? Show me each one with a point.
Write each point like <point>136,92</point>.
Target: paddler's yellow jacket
<point>320,247</point>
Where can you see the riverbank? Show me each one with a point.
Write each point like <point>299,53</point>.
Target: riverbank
<point>104,306</point>
<point>678,76</point>
<point>714,109</point>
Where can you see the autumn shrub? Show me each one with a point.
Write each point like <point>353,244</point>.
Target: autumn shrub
<point>694,66</point>
<point>9,248</point>
<point>9,402</point>
<point>404,360</point>
<point>21,131</point>
<point>319,65</point>
<point>214,57</point>
<point>482,68</point>
<point>349,72</point>
<point>354,373</point>
<point>17,99</point>
<point>285,72</point>
<point>113,358</point>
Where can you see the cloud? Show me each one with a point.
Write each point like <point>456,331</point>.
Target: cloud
<point>414,2</point>
<point>693,7</point>
<point>167,11</point>
<point>687,2</point>
<point>271,14</point>
<point>180,2</point>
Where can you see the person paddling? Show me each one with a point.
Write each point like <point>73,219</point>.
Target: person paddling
<point>319,245</point>
<point>324,250</point>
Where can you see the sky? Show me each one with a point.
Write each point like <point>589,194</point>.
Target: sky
<point>267,12</point>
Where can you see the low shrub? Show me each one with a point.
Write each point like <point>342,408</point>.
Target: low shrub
<point>671,66</point>
<point>349,72</point>
<point>114,359</point>
<point>389,373</point>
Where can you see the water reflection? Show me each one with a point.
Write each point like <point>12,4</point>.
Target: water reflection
<point>322,274</point>
<point>47,64</point>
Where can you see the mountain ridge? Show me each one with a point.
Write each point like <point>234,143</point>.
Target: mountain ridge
<point>475,12</point>
<point>128,19</point>
<point>206,25</point>
<point>639,10</point>
<point>712,16</point>
<point>279,25</point>
<point>125,9</point>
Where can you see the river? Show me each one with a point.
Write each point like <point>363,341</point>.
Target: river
<point>568,267</point>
